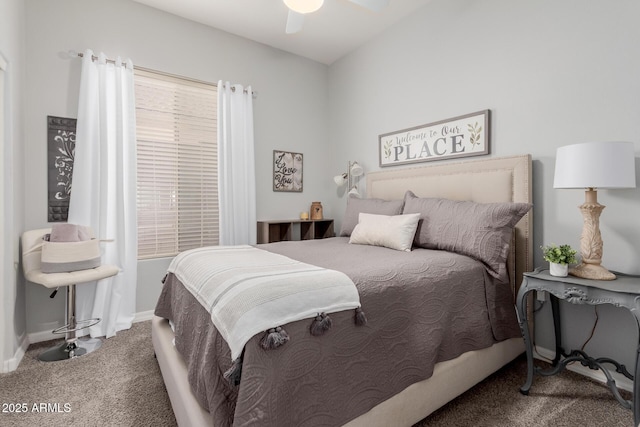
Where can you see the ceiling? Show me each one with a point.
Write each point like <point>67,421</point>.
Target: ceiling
<point>328,34</point>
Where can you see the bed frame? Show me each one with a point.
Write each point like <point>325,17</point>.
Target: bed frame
<point>492,180</point>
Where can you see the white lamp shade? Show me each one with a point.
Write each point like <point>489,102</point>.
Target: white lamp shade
<point>354,192</point>
<point>356,169</point>
<point>304,6</point>
<point>595,165</point>
<point>340,180</point>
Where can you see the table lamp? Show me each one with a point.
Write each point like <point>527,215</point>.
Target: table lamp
<point>593,165</point>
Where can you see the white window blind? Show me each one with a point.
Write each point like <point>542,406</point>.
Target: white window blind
<point>177,164</point>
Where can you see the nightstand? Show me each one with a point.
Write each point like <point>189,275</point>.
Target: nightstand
<point>622,292</point>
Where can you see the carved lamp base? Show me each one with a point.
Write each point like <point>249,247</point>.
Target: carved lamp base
<point>591,241</point>
<point>592,271</point>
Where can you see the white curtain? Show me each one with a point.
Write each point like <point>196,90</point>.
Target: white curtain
<point>236,165</point>
<point>103,193</point>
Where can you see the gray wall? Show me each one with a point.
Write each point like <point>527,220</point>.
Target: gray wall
<point>290,112</point>
<point>552,73</point>
<point>12,299</point>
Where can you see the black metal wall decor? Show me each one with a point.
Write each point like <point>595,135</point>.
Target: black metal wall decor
<point>61,141</point>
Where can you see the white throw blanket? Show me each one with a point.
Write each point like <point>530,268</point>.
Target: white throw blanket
<point>248,290</point>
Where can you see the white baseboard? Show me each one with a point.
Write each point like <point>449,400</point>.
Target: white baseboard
<point>36,337</point>
<point>12,364</point>
<point>143,316</point>
<point>622,382</point>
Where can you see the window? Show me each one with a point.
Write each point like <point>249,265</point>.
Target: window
<point>177,195</point>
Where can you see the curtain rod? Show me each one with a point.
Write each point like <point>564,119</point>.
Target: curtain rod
<point>254,94</point>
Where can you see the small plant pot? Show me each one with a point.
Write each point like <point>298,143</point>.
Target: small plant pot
<point>559,270</point>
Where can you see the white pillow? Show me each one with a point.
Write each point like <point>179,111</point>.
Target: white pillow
<point>394,232</point>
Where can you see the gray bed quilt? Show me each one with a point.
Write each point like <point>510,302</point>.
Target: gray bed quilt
<point>423,307</point>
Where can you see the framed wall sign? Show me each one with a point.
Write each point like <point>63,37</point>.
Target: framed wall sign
<point>287,171</point>
<point>61,145</point>
<point>461,136</point>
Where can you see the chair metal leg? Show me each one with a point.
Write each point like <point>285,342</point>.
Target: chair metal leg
<point>73,346</point>
<point>71,314</point>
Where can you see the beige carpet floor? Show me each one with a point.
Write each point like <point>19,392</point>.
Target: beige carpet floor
<point>120,385</point>
<point>564,400</point>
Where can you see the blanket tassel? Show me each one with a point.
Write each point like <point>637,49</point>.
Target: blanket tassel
<point>274,338</point>
<point>360,318</point>
<point>234,373</point>
<point>320,325</point>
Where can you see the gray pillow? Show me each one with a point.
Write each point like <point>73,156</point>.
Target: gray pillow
<point>371,206</point>
<point>479,230</point>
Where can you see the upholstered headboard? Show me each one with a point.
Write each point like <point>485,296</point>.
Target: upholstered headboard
<point>501,179</point>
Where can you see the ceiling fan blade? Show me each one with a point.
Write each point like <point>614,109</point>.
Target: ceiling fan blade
<point>294,22</point>
<point>374,5</point>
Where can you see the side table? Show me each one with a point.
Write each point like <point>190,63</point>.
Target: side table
<point>622,292</point>
<point>281,230</point>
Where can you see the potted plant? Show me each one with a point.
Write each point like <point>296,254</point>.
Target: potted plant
<point>559,258</point>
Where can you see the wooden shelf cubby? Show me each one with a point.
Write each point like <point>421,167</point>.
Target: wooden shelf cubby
<point>283,230</point>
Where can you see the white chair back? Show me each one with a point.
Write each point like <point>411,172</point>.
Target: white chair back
<point>31,253</point>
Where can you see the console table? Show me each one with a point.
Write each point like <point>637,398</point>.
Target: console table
<point>621,292</point>
<point>279,230</point>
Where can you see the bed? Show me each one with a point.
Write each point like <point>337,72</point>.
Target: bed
<point>415,389</point>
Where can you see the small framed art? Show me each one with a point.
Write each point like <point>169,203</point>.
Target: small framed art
<point>287,171</point>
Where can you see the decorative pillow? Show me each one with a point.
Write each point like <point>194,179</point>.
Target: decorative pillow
<point>69,233</point>
<point>373,206</point>
<point>479,230</point>
<point>394,232</point>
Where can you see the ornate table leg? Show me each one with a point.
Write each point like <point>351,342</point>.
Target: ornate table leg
<point>555,311</point>
<point>636,388</point>
<point>521,311</point>
<point>635,399</point>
